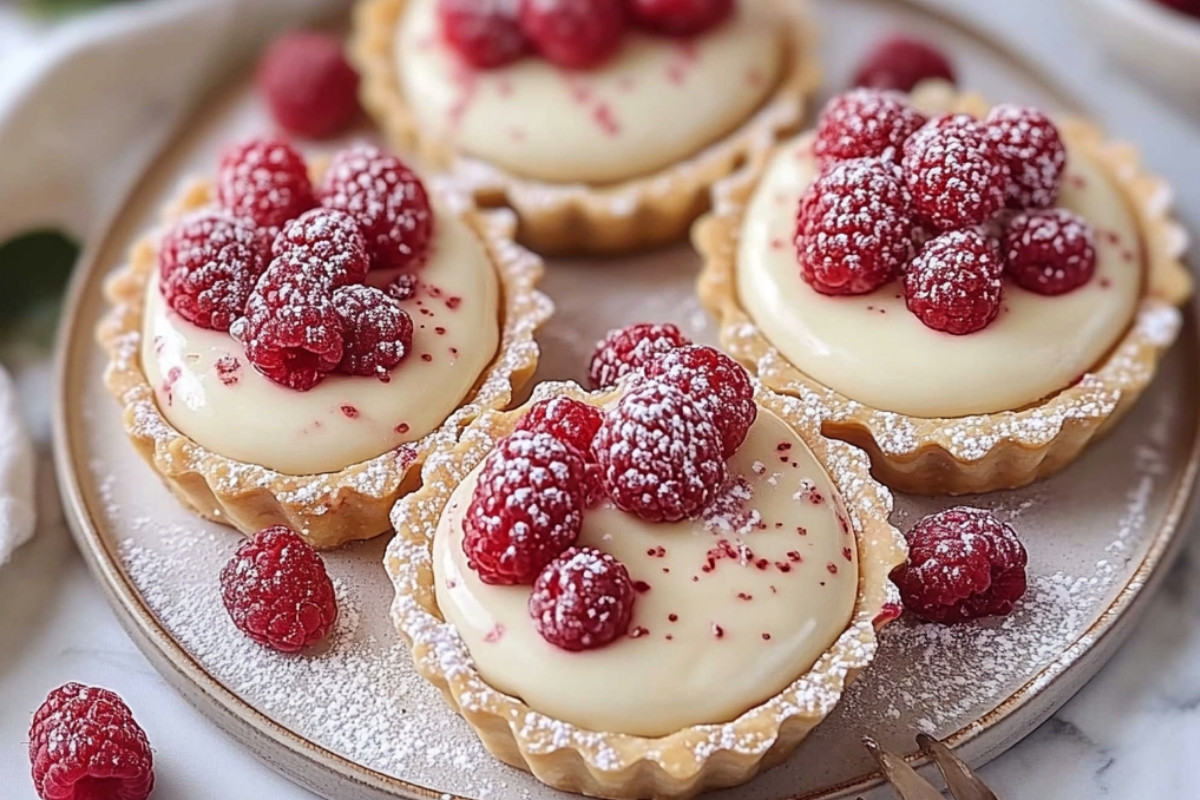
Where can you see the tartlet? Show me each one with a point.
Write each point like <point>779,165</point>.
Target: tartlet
<point>976,451</point>
<point>603,214</point>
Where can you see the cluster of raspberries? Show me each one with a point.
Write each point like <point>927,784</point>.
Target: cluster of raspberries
<point>949,204</point>
<point>658,452</point>
<point>282,264</point>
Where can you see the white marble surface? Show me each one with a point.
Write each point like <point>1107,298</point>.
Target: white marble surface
<point>1131,734</point>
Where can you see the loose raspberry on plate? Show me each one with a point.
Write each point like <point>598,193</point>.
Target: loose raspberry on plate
<point>277,591</point>
<point>208,264</point>
<point>901,62</point>
<point>1049,252</point>
<point>487,33</point>
<point>679,17</point>
<point>717,383</point>
<point>327,243</point>
<point>292,332</point>
<point>955,173</point>
<point>388,200</point>
<point>854,230</point>
<point>865,123</point>
<point>955,284</point>
<point>1030,144</point>
<point>628,349</point>
<point>527,508</point>
<point>660,453</point>
<point>84,744</point>
<point>963,564</point>
<point>308,85</point>
<point>378,334</point>
<point>582,600</point>
<point>265,180</point>
<point>576,34</point>
<point>570,421</point>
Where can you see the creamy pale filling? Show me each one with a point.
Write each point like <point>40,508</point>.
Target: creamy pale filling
<point>208,390</point>
<point>657,101</point>
<point>731,608</point>
<point>871,349</point>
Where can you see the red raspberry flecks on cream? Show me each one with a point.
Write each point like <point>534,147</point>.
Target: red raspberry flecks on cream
<point>308,85</point>
<point>717,383</point>
<point>575,34</point>
<point>626,350</point>
<point>679,17</point>
<point>854,230</point>
<point>955,173</point>
<point>865,123</point>
<point>327,243</point>
<point>963,564</point>
<point>1032,148</point>
<point>277,591</point>
<point>377,333</point>
<point>1049,252</point>
<point>208,264</point>
<point>582,600</point>
<point>265,180</point>
<point>955,284</point>
<point>568,420</point>
<point>527,508</point>
<point>485,33</point>
<point>292,332</point>
<point>901,62</point>
<point>84,744</point>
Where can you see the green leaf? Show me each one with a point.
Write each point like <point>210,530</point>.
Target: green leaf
<point>55,8</point>
<point>34,270</point>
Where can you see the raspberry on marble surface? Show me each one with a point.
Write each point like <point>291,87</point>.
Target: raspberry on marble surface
<point>308,85</point>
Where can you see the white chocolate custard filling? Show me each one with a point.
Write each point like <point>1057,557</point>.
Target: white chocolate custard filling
<point>731,608</point>
<point>655,102</point>
<point>871,349</point>
<point>207,389</point>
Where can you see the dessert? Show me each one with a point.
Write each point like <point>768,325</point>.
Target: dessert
<point>290,346</point>
<point>586,535</point>
<point>1002,297</point>
<point>555,109</point>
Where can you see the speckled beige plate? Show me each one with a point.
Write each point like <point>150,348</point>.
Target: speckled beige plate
<point>355,721</point>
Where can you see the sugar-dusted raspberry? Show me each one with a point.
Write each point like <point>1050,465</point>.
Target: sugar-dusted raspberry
<point>327,243</point>
<point>527,508</point>
<point>208,264</point>
<point>567,420</point>
<point>660,453</point>
<point>1049,252</point>
<point>292,332</point>
<point>865,123</point>
<point>388,200</point>
<point>900,63</point>
<point>378,333</point>
<point>717,383</point>
<point>486,34</point>
<point>576,34</point>
<point>963,564</point>
<point>84,744</point>
<point>277,591</point>
<point>582,600</point>
<point>1032,148</point>
<point>628,349</point>
<point>308,85</point>
<point>955,173</point>
<point>265,180</point>
<point>955,284</point>
<point>680,17</point>
<point>854,230</point>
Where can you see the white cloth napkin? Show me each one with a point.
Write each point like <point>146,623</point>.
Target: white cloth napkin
<point>18,503</point>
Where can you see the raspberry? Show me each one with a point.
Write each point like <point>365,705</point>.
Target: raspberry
<point>575,34</point>
<point>716,383</point>
<point>84,744</point>
<point>306,82</point>
<point>527,508</point>
<point>854,230</point>
<point>486,34</point>
<point>955,173</point>
<point>954,285</point>
<point>266,181</point>
<point>963,564</point>
<point>626,350</point>
<point>208,265</point>
<point>1030,145</point>
<point>901,63</point>
<point>387,199</point>
<point>679,17</point>
<point>570,421</point>
<point>865,123</point>
<point>377,333</point>
<point>277,591</point>
<point>582,600</point>
<point>292,332</point>
<point>660,454</point>
<point>327,243</point>
<point>1049,252</point>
